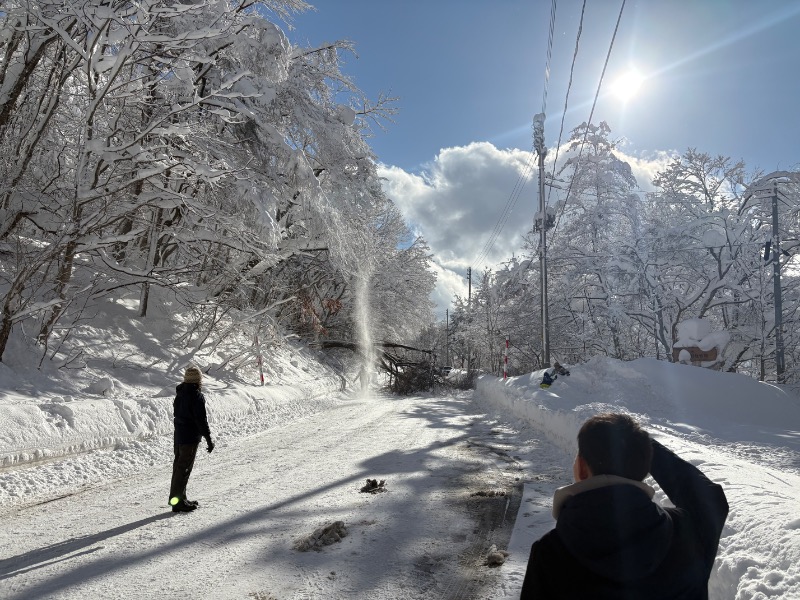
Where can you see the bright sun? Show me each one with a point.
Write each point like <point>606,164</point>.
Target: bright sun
<point>626,86</point>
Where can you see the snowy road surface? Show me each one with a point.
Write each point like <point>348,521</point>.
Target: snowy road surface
<point>425,537</point>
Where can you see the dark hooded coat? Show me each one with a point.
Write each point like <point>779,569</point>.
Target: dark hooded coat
<point>614,542</point>
<point>190,418</point>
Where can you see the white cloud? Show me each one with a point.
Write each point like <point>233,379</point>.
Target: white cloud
<point>646,166</point>
<point>458,203</point>
<point>449,284</point>
<point>468,199</point>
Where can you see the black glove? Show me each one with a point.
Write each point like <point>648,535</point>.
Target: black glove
<point>209,445</point>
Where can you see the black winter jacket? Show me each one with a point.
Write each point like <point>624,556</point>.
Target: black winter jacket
<point>614,542</point>
<point>189,411</point>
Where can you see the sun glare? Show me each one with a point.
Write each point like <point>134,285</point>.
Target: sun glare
<point>626,86</point>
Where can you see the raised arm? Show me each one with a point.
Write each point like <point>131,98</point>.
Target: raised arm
<point>689,490</point>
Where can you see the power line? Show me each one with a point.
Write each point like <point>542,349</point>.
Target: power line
<point>512,200</point>
<point>569,87</point>
<point>510,203</point>
<point>549,54</point>
<point>594,104</point>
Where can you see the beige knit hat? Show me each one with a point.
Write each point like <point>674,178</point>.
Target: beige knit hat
<point>192,375</point>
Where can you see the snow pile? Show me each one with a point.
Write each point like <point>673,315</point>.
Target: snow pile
<point>696,333</point>
<point>56,425</point>
<point>741,433</point>
<point>700,404</point>
<point>121,396</point>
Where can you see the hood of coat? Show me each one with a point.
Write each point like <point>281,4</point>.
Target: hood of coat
<point>187,389</point>
<point>612,526</point>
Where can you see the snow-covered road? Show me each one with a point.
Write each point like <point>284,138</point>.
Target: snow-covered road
<point>426,537</point>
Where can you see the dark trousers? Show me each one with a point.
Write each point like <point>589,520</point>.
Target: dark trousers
<point>181,469</point>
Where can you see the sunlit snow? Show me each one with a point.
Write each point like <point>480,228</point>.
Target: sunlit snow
<point>86,469</point>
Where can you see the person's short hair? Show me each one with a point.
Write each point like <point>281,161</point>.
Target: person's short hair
<point>615,444</point>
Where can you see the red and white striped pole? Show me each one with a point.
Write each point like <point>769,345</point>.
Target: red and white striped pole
<point>505,362</point>
<point>259,360</point>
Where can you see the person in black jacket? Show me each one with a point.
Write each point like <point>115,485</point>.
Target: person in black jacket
<point>611,541</point>
<point>191,424</point>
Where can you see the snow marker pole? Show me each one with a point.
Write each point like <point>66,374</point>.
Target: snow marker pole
<point>505,362</point>
<point>259,360</point>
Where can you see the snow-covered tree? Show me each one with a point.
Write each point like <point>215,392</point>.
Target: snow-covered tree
<point>625,269</point>
<point>587,251</point>
<point>188,146</point>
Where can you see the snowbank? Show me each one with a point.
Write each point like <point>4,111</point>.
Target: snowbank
<point>120,388</point>
<point>61,426</point>
<point>42,422</point>
<point>689,401</point>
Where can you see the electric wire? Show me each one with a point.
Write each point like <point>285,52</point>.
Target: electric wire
<point>514,196</point>
<point>510,203</point>
<point>566,98</point>
<point>591,114</point>
<point>549,54</point>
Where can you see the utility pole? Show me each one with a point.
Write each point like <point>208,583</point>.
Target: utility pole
<point>447,337</point>
<point>538,143</point>
<point>760,185</point>
<point>469,319</point>
<point>780,365</point>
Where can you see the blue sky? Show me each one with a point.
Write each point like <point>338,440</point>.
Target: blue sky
<point>720,76</point>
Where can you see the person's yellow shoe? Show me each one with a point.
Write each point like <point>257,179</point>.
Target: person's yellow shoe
<point>180,505</point>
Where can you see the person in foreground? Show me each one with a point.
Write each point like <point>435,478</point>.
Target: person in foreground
<point>191,424</point>
<point>611,540</point>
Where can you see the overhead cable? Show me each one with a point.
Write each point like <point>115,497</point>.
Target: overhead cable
<point>549,54</point>
<point>591,113</point>
<point>529,165</point>
<point>510,203</point>
<point>569,87</point>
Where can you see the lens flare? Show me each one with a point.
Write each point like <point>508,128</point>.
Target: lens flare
<point>626,86</point>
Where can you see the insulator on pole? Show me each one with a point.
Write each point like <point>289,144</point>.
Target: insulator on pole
<point>538,133</point>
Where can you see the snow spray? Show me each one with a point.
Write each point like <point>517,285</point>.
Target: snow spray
<point>364,328</point>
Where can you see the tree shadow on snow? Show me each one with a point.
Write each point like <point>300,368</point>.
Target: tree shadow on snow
<point>43,557</point>
<point>256,521</point>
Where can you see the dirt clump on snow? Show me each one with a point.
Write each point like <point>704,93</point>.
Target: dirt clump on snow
<point>489,493</point>
<point>496,557</point>
<point>322,536</point>
<point>373,486</point>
